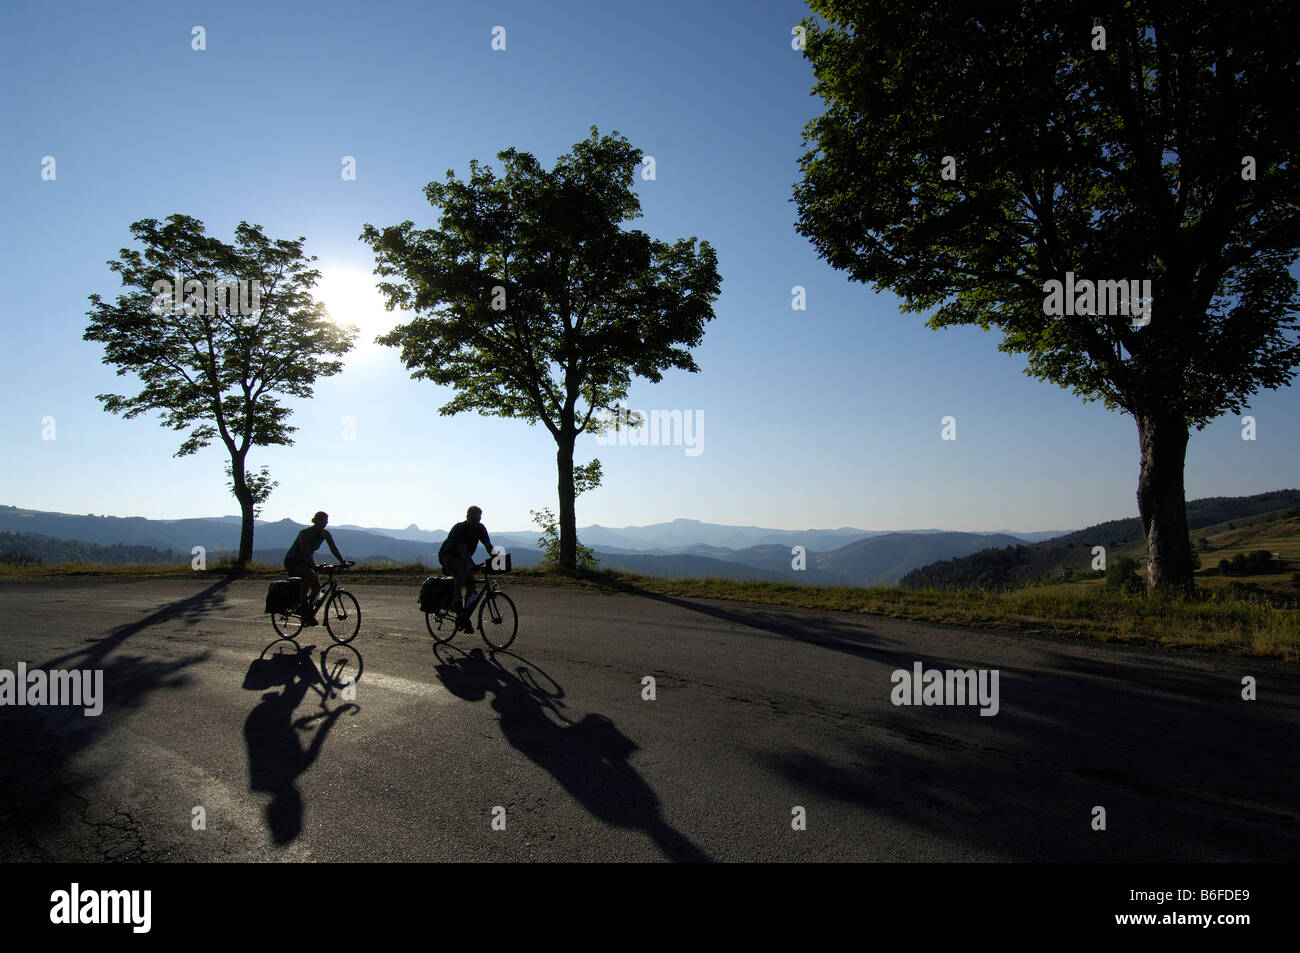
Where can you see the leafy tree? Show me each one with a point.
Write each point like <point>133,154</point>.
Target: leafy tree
<point>1161,150</point>
<point>217,364</point>
<point>534,303</point>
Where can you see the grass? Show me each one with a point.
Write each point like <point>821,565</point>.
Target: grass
<point>1083,610</point>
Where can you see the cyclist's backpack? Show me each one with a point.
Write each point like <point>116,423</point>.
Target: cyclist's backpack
<point>283,595</point>
<point>435,592</point>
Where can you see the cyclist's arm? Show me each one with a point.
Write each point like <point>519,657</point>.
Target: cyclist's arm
<point>485,539</point>
<point>334,549</point>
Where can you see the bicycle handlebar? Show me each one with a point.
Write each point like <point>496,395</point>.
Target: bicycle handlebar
<point>330,567</point>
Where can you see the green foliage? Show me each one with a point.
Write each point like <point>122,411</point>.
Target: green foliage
<point>1260,561</point>
<point>549,542</point>
<point>259,484</point>
<point>1118,163</point>
<point>216,374</point>
<point>586,477</point>
<point>1122,575</point>
<point>586,304</point>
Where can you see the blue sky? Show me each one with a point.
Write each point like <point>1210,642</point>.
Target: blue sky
<point>825,417</point>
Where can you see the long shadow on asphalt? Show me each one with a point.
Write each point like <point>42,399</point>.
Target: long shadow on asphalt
<point>276,754</point>
<point>39,794</point>
<point>589,757</point>
<point>1186,769</point>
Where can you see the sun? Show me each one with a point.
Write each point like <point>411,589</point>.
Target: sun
<point>350,296</point>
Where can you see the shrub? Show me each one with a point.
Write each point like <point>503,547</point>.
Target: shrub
<point>549,542</point>
<point>1122,575</point>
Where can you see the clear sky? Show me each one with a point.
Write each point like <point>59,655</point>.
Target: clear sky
<point>825,417</point>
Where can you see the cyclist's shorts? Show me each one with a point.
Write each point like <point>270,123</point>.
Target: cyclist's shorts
<point>291,566</point>
<point>451,564</point>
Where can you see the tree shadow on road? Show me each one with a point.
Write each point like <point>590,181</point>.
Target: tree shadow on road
<point>1186,769</point>
<point>276,754</point>
<point>852,635</point>
<point>39,786</point>
<point>589,757</point>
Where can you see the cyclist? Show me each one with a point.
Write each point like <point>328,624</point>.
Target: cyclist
<point>298,562</point>
<point>456,556</point>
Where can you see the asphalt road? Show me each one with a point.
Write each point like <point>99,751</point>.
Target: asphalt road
<point>758,711</point>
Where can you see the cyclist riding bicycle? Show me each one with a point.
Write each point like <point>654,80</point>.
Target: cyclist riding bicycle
<point>456,555</point>
<point>298,562</point>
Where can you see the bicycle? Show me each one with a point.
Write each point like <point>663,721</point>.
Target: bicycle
<point>498,621</point>
<point>342,611</point>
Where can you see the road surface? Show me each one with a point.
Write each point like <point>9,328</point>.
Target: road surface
<point>771,736</point>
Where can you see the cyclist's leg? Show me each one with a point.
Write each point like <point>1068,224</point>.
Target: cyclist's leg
<point>314,579</point>
<point>294,568</point>
<point>462,577</point>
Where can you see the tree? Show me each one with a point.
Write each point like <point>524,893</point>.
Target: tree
<point>970,155</point>
<point>534,303</point>
<point>217,333</point>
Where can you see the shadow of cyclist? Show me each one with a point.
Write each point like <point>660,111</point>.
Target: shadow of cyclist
<point>276,755</point>
<point>589,758</point>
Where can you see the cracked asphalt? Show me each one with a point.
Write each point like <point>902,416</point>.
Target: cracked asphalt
<point>219,743</point>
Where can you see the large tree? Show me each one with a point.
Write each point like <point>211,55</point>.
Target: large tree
<point>970,154</point>
<point>215,357</point>
<point>533,302</point>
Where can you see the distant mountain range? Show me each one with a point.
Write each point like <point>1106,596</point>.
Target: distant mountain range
<point>681,548</point>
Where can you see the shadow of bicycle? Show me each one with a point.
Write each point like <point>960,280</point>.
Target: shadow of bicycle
<point>587,757</point>
<point>274,734</point>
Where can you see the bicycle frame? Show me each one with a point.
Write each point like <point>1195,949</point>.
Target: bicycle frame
<point>328,588</point>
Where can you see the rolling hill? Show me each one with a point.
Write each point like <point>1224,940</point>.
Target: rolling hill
<point>1221,526</point>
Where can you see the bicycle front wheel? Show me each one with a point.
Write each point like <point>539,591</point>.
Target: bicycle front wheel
<point>498,622</point>
<point>343,616</point>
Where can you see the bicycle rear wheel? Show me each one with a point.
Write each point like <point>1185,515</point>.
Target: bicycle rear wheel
<point>441,625</point>
<point>343,616</point>
<point>498,622</point>
<point>286,624</point>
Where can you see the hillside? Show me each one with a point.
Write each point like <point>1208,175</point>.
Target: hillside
<point>33,548</point>
<point>1222,528</point>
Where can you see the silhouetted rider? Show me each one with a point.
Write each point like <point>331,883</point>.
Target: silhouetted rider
<point>298,562</point>
<point>456,555</point>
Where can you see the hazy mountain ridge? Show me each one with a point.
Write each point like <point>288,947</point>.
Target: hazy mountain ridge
<point>843,556</point>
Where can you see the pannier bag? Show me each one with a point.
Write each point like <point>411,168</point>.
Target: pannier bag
<point>435,593</point>
<point>283,595</point>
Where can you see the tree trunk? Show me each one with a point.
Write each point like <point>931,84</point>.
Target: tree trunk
<point>245,497</point>
<point>1162,502</point>
<point>568,516</point>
